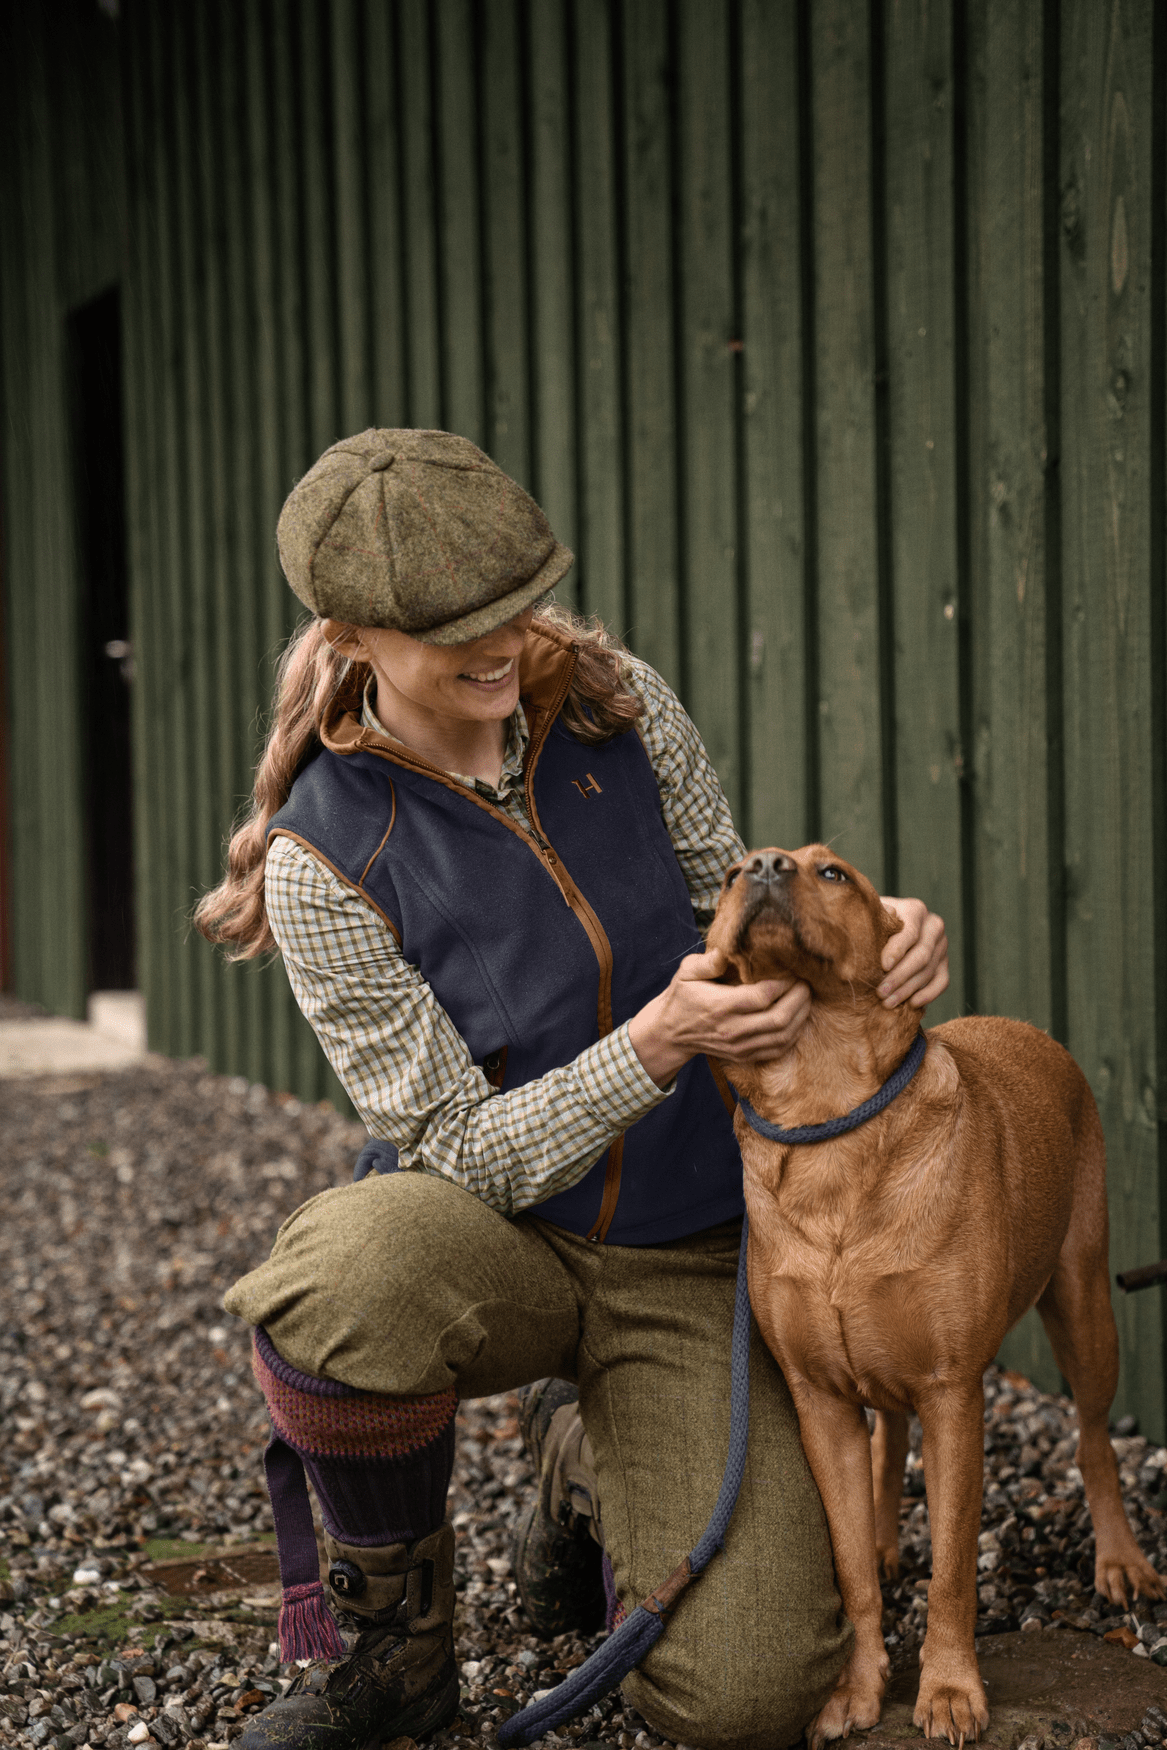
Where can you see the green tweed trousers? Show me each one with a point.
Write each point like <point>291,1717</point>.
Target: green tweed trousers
<point>406,1284</point>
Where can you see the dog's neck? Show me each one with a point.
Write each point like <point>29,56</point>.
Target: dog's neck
<point>842,1057</point>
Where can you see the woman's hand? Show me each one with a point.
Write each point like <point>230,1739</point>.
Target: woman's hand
<point>740,1023</point>
<point>916,958</point>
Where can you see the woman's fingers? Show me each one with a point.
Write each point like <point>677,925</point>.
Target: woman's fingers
<point>915,959</point>
<point>763,1024</point>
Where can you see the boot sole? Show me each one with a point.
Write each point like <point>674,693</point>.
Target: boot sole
<point>420,1721</point>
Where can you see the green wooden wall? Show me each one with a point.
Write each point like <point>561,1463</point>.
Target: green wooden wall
<point>830,335</point>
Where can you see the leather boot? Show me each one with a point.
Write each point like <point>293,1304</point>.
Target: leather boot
<point>398,1678</point>
<point>558,1547</point>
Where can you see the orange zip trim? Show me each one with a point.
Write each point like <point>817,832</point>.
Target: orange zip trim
<point>368,741</point>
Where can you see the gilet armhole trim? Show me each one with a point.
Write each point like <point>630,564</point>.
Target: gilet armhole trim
<point>354,886</point>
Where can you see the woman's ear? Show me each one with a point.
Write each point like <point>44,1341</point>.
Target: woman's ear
<point>346,640</point>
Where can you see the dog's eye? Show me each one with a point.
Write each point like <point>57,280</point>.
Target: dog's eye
<point>730,878</point>
<point>831,872</point>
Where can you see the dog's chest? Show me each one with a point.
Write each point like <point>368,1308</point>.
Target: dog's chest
<point>842,1295</point>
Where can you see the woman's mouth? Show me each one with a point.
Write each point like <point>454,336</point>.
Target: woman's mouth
<point>491,677</point>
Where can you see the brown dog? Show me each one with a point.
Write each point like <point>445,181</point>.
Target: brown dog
<point>887,1265</point>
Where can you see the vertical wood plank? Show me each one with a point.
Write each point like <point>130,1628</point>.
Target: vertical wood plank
<point>177,502</point>
<point>312,96</point>
<point>138,351</point>
<point>775,805</point>
<point>849,680</point>
<point>654,623</point>
<point>1007,457</point>
<point>238,603</point>
<point>414,90</point>
<point>922,433</point>
<point>600,548</point>
<point>1107,390</point>
<point>460,222</point>
<point>285,418</point>
<point>707,319</point>
<point>209,322</point>
<point>553,353</point>
<point>1007,488</point>
<point>351,198</point>
<point>386,266</point>
<point>504,220</point>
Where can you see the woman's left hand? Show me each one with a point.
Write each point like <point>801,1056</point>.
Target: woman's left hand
<point>916,957</point>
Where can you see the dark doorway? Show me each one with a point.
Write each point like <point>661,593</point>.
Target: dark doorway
<point>107,663</point>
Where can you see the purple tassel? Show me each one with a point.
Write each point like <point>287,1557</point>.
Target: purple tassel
<point>306,1627</point>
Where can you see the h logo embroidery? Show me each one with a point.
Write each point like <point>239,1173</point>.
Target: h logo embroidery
<point>590,786</point>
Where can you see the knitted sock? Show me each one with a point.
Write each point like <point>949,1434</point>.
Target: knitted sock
<point>380,1467</point>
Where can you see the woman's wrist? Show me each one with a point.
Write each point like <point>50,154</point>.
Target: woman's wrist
<point>653,1040</point>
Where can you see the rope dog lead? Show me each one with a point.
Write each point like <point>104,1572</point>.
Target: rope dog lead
<point>626,1646</point>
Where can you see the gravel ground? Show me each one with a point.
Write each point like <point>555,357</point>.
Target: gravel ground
<point>132,1433</point>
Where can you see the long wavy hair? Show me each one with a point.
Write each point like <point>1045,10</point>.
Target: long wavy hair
<point>313,679</point>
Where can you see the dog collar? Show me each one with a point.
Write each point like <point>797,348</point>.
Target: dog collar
<point>895,1084</point>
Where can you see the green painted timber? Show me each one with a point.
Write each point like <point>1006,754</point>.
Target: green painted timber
<point>831,337</point>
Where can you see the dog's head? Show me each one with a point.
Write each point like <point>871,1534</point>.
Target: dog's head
<point>807,913</point>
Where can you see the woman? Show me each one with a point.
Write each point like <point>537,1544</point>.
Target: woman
<point>486,891</point>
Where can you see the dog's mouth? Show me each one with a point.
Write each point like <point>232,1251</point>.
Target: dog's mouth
<point>766,897</point>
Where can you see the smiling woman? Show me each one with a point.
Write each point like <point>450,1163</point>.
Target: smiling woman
<point>486,893</point>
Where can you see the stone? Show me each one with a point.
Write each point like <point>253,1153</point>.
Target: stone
<point>1033,1681</point>
<point>138,1734</point>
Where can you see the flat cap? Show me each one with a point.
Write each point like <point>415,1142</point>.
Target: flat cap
<point>419,531</point>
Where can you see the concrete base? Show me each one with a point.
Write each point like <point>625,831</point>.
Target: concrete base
<point>1056,1686</point>
<point>113,1038</point>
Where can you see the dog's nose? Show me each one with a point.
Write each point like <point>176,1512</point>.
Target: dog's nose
<point>769,866</point>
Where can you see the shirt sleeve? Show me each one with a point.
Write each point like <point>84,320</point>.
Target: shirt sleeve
<point>408,1070</point>
<point>693,805</point>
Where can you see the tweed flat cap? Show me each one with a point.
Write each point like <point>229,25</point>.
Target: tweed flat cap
<point>417,530</point>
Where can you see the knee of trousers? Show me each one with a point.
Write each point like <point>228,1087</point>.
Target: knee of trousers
<point>728,1684</point>
<point>407,1285</point>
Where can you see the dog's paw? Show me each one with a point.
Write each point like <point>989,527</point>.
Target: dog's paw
<point>843,1714</point>
<point>1125,1574</point>
<point>956,1710</point>
<point>854,1707</point>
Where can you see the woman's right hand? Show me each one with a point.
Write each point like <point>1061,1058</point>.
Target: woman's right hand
<point>738,1023</point>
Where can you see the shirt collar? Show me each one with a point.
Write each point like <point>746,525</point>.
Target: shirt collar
<point>512,764</point>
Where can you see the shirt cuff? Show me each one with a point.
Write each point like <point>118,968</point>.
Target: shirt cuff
<point>617,1082</point>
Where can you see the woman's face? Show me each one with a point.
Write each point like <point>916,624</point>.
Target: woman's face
<point>474,682</point>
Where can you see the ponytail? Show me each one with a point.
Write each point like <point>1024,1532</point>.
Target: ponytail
<point>311,680</point>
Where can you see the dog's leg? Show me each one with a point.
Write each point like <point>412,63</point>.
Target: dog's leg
<point>1079,1321</point>
<point>951,1701</point>
<point>889,1454</point>
<point>838,1450</point>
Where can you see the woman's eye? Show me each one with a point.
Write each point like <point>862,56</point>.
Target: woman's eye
<point>830,873</point>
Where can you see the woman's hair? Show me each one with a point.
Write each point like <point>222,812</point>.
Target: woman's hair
<point>312,679</point>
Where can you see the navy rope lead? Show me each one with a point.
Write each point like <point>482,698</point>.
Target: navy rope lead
<point>895,1084</point>
<point>626,1646</point>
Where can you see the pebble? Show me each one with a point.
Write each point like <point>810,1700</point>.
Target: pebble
<point>128,1413</point>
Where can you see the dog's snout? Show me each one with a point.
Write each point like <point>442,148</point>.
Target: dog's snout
<point>768,866</point>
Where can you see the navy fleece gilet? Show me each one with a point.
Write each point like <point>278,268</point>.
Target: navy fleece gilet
<point>513,935</point>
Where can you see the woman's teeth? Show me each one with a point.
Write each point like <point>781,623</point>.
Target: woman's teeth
<point>495,674</point>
